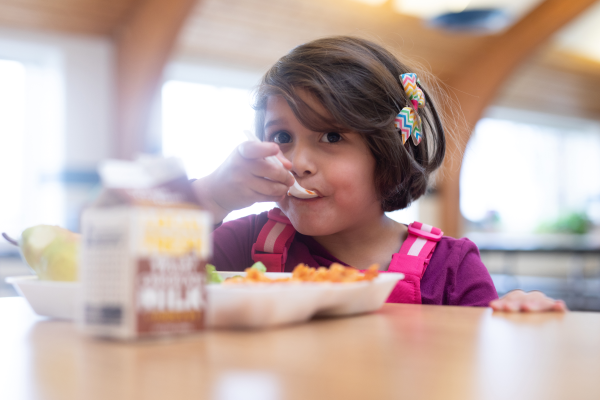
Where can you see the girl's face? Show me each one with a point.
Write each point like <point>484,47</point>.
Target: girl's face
<point>337,165</point>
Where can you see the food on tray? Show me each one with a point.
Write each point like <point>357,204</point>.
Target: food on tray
<point>303,273</point>
<point>212,276</point>
<point>259,266</point>
<point>51,251</point>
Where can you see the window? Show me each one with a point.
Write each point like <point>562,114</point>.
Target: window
<point>519,175</point>
<point>31,143</point>
<point>12,125</point>
<point>202,124</point>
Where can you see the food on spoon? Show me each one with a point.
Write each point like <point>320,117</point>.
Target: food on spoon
<point>303,273</point>
<point>51,251</point>
<point>298,191</point>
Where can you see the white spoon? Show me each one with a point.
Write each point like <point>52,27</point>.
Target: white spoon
<point>296,190</point>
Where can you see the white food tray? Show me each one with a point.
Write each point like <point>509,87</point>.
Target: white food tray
<point>246,306</point>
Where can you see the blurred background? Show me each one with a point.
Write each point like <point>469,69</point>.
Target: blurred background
<point>86,80</point>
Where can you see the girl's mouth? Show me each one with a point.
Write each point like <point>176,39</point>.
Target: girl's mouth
<point>306,194</point>
<point>298,191</point>
<point>307,200</point>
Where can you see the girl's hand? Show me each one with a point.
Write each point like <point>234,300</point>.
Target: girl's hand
<point>244,179</point>
<point>519,301</point>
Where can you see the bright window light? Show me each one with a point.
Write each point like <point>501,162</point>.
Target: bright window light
<point>524,175</point>
<point>582,35</point>
<point>407,215</point>
<point>371,2</point>
<point>12,125</point>
<point>203,124</point>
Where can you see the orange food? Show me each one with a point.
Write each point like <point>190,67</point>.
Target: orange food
<point>303,273</point>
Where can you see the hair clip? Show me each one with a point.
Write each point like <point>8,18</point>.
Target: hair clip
<point>408,121</point>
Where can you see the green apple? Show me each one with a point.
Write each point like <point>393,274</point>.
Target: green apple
<point>51,251</point>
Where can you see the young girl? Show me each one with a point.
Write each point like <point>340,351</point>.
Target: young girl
<point>353,125</point>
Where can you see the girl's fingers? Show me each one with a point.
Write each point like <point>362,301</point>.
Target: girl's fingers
<point>514,295</point>
<point>535,301</point>
<point>287,164</point>
<point>253,156</point>
<point>505,305</point>
<point>513,306</point>
<point>496,305</point>
<point>256,150</point>
<point>559,305</point>
<point>261,198</point>
<point>534,306</point>
<point>265,169</point>
<point>266,187</point>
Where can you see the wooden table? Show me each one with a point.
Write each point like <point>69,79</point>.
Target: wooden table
<point>403,351</point>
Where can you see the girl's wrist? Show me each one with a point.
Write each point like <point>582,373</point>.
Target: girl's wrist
<point>202,189</point>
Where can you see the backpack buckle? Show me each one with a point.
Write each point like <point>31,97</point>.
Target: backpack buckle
<point>430,233</point>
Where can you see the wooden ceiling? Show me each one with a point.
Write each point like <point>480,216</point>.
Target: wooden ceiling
<point>255,33</point>
<point>555,82</point>
<point>96,17</point>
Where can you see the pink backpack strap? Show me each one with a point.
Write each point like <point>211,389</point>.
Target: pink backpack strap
<point>273,241</point>
<point>412,261</point>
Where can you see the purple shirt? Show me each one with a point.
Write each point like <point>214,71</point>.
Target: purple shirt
<point>455,275</point>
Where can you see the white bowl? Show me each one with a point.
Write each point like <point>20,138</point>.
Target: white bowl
<point>48,298</point>
<point>248,306</point>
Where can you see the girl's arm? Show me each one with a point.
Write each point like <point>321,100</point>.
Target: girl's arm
<point>468,282</point>
<point>243,179</point>
<point>535,301</point>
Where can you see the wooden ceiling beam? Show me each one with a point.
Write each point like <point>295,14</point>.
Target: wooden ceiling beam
<point>478,81</point>
<point>143,45</point>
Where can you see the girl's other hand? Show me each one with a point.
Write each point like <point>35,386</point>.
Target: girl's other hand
<point>520,301</point>
<point>245,178</point>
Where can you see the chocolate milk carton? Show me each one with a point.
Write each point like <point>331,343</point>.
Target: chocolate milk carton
<point>145,244</point>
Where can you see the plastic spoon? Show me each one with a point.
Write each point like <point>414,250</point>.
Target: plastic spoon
<point>296,190</point>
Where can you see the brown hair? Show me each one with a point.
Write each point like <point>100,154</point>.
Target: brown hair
<point>358,82</point>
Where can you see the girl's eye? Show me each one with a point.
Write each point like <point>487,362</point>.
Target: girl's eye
<point>281,138</point>
<point>331,137</point>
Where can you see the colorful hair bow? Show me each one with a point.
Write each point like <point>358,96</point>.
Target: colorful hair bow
<point>408,121</point>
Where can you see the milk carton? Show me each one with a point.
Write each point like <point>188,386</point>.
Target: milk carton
<point>145,244</point>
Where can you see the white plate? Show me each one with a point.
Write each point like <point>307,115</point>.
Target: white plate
<point>238,306</point>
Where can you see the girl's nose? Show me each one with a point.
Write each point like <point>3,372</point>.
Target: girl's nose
<point>302,162</point>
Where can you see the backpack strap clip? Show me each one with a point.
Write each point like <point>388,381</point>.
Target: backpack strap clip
<point>425,231</point>
<point>273,241</point>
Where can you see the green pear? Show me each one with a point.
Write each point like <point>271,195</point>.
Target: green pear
<point>51,251</point>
